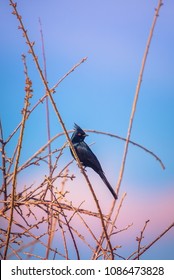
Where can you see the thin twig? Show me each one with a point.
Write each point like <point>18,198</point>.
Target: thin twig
<point>67,74</point>
<point>101,238</point>
<point>50,215</point>
<point>139,239</point>
<point>14,181</point>
<point>137,95</point>
<point>134,107</point>
<point>130,142</point>
<point>4,173</point>
<point>154,241</point>
<point>67,222</point>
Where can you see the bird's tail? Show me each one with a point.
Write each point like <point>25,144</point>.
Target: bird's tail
<point>102,175</point>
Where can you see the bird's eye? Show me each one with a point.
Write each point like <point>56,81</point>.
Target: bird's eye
<point>79,134</point>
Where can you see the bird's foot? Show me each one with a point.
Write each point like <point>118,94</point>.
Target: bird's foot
<point>83,167</point>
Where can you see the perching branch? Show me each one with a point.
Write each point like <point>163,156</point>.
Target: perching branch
<point>31,50</point>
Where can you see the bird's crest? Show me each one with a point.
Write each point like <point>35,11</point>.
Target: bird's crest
<point>76,127</point>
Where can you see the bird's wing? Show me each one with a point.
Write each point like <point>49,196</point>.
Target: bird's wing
<point>87,157</point>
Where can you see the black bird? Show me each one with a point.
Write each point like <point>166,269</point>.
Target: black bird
<point>87,157</point>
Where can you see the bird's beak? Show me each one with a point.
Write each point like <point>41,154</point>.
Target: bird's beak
<point>86,135</point>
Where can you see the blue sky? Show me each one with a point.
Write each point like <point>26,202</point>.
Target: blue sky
<point>99,94</point>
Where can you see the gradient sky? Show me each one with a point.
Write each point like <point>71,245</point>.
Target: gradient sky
<point>99,94</point>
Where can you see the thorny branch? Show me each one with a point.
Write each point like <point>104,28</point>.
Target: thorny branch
<point>28,95</point>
